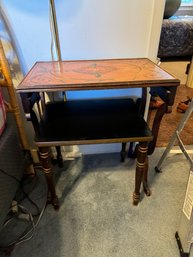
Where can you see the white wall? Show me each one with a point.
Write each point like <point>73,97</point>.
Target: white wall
<point>30,22</point>
<point>88,30</point>
<point>104,29</point>
<point>156,22</point>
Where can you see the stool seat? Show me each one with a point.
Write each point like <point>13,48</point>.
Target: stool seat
<point>92,121</point>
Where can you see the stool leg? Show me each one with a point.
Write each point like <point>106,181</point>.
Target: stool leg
<point>45,159</point>
<point>140,169</point>
<point>130,150</point>
<point>123,152</point>
<point>59,157</point>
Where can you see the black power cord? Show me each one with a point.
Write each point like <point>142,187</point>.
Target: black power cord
<point>24,213</point>
<point>21,183</point>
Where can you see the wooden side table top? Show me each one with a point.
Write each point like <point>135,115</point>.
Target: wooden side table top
<point>95,74</point>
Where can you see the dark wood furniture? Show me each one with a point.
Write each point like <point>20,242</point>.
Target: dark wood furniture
<point>95,121</point>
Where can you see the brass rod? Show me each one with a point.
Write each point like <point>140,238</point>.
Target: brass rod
<point>55,26</point>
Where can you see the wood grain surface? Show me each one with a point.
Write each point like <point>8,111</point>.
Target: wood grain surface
<point>95,74</point>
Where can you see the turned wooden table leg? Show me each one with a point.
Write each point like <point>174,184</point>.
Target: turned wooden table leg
<point>45,159</point>
<point>140,168</point>
<point>146,188</point>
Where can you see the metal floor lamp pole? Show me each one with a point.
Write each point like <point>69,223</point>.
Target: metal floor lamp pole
<point>55,30</point>
<point>73,150</point>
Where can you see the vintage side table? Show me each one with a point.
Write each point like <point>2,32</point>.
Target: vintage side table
<point>99,120</point>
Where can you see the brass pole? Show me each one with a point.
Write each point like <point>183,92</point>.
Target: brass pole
<point>55,26</point>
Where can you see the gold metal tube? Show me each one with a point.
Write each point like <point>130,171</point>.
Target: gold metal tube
<point>55,26</point>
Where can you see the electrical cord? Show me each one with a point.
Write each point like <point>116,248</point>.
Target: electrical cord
<point>23,211</point>
<point>26,194</point>
<point>9,175</point>
<point>27,234</point>
<point>21,181</point>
